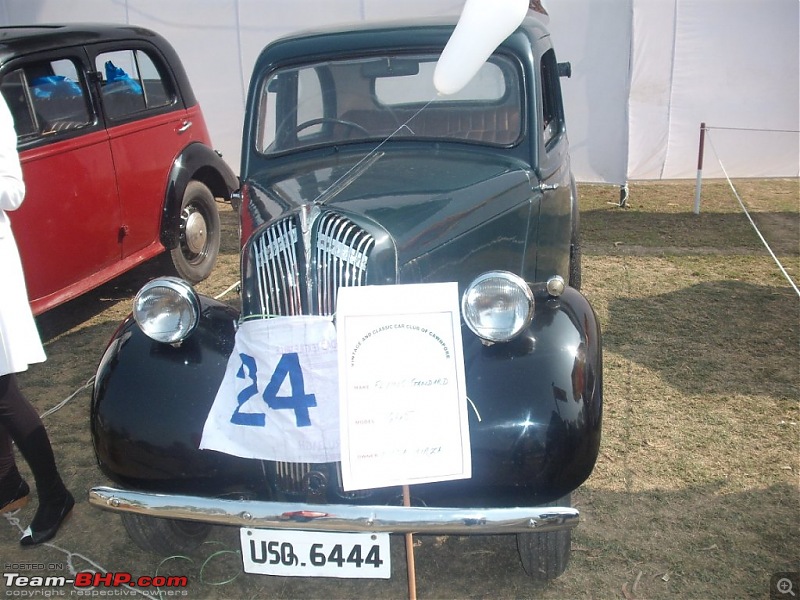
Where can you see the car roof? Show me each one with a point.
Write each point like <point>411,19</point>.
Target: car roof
<point>366,37</point>
<point>24,39</point>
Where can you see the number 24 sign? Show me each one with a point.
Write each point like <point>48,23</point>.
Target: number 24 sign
<point>299,401</point>
<point>279,399</point>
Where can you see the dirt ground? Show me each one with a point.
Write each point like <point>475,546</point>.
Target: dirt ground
<point>695,494</point>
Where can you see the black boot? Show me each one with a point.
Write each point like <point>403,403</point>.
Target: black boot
<point>55,501</point>
<point>14,491</point>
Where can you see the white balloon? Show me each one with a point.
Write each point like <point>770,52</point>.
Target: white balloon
<point>482,27</point>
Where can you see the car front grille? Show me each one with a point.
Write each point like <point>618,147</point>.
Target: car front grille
<point>278,270</point>
<point>293,279</point>
<point>342,252</point>
<point>312,481</point>
<point>299,274</point>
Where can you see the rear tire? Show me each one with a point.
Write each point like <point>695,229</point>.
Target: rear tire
<point>545,555</point>
<point>165,536</point>
<point>198,236</point>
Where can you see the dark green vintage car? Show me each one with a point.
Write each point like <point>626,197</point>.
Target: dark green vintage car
<point>356,172</point>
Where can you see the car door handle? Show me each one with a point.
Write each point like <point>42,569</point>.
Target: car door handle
<point>184,126</point>
<point>546,187</point>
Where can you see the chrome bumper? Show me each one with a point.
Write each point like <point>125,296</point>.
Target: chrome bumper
<point>336,517</point>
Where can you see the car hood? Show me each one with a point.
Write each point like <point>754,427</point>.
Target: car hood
<point>422,199</point>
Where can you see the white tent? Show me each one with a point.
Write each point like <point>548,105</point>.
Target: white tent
<point>732,64</point>
<point>646,73</point>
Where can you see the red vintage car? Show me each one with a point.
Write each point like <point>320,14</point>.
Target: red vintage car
<point>115,154</point>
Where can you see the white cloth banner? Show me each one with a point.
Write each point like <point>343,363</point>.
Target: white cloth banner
<point>279,397</point>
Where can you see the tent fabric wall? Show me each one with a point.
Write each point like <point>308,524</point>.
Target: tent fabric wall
<point>732,64</point>
<point>646,73</point>
<point>595,37</point>
<point>651,88</point>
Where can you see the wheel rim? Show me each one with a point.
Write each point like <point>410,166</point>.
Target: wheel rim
<point>195,233</point>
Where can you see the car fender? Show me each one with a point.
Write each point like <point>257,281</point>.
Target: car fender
<point>536,402</point>
<point>196,162</point>
<point>150,402</point>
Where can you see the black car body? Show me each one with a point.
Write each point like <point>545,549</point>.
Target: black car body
<point>352,178</point>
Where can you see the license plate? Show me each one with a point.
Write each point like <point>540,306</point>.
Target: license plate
<point>316,554</point>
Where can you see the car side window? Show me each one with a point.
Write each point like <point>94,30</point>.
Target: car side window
<point>300,95</point>
<point>552,108</point>
<point>131,83</point>
<point>46,98</point>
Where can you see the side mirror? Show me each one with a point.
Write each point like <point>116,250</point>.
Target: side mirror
<point>565,69</point>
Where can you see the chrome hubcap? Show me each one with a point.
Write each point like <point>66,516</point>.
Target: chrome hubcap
<point>195,233</point>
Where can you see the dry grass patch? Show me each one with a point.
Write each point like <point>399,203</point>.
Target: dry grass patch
<point>695,494</point>
<point>696,491</point>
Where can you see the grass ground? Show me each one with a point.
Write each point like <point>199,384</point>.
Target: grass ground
<point>695,494</point>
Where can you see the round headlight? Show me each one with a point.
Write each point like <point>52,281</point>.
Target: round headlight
<point>497,306</point>
<point>167,309</point>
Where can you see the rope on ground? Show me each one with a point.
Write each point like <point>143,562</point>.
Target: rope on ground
<point>71,556</point>
<point>749,218</point>
<point>61,404</point>
<point>228,290</point>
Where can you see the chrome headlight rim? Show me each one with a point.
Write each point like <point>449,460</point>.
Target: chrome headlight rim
<point>179,297</point>
<point>526,295</point>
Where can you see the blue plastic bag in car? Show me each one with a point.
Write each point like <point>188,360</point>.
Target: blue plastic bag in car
<point>119,80</point>
<point>55,86</point>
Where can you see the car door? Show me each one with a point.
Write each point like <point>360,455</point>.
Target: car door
<point>67,229</point>
<point>556,213</point>
<point>148,126</point>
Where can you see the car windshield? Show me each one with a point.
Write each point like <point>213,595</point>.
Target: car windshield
<point>345,101</point>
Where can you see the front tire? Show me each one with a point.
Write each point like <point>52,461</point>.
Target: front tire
<point>198,236</point>
<point>545,556</point>
<point>164,536</point>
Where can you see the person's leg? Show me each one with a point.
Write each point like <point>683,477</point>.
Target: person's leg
<point>14,491</point>
<point>25,427</point>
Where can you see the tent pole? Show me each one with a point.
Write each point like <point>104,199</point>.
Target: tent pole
<point>698,185</point>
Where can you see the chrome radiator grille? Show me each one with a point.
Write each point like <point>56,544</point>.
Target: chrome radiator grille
<point>278,269</point>
<point>300,275</point>
<point>300,264</point>
<point>312,481</point>
<point>342,249</point>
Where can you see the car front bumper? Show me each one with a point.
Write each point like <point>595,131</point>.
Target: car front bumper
<point>336,517</point>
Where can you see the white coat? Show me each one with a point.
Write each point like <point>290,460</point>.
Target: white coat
<point>20,344</point>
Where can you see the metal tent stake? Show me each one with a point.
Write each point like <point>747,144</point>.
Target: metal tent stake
<point>412,572</point>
